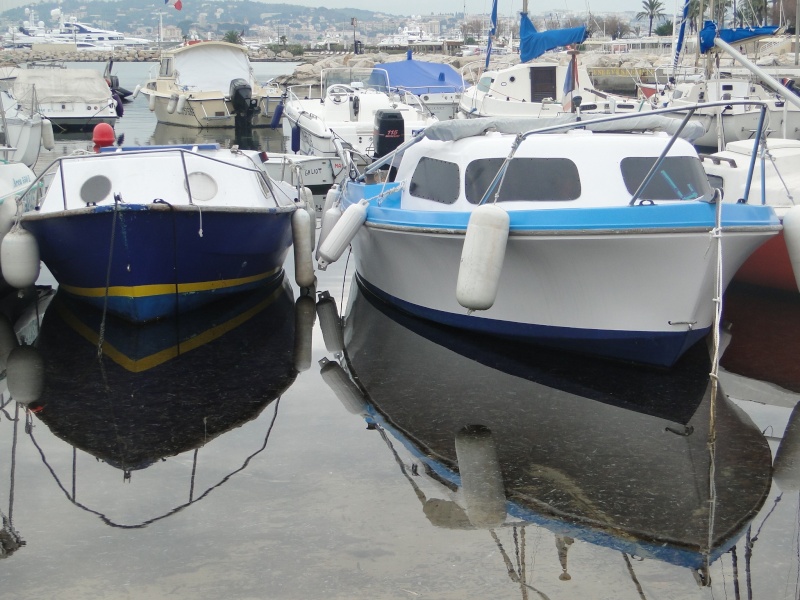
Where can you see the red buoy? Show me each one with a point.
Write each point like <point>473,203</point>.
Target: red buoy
<point>103,135</point>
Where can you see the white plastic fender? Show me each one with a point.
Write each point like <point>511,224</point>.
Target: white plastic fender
<point>151,102</point>
<point>8,341</point>
<point>481,476</point>
<point>8,214</point>
<point>301,241</point>
<point>307,196</point>
<point>48,137</point>
<point>342,234</point>
<point>329,220</point>
<point>346,391</point>
<point>172,104</point>
<point>330,323</point>
<point>791,233</point>
<point>786,466</point>
<point>304,316</point>
<point>136,90</point>
<point>181,103</point>
<point>25,373</point>
<point>482,257</point>
<point>19,258</point>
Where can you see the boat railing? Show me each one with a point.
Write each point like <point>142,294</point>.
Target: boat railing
<point>33,199</point>
<point>640,122</point>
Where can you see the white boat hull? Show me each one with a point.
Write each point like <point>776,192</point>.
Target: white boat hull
<point>577,291</point>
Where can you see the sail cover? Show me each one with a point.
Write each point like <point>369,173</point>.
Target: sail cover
<point>533,44</point>
<point>732,36</point>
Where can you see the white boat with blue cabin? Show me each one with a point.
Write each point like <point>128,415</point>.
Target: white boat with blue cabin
<point>595,235</point>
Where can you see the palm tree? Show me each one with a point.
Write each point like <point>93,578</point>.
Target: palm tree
<point>652,9</point>
<point>232,37</point>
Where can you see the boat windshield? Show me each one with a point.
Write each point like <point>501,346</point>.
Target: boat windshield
<point>678,178</point>
<point>537,179</point>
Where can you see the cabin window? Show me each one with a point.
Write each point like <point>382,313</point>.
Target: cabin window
<point>436,180</point>
<point>166,68</point>
<point>678,178</point>
<point>537,179</point>
<point>484,84</point>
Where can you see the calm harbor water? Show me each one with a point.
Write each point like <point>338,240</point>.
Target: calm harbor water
<point>210,458</point>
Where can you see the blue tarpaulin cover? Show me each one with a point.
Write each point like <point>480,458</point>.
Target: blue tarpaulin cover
<point>533,44</point>
<point>420,77</point>
<point>731,36</point>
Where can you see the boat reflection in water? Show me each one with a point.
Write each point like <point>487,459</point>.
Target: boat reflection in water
<point>495,435</point>
<point>133,395</point>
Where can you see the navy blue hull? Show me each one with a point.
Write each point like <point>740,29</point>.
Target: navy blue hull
<point>144,263</point>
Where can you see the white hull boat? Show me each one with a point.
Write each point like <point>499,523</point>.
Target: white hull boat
<point>354,105</point>
<point>210,84</point>
<point>602,243</point>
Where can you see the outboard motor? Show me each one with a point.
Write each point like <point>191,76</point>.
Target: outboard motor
<point>244,105</point>
<point>389,131</point>
<point>241,99</point>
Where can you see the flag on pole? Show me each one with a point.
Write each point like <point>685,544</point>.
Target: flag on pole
<point>176,3</point>
<point>569,87</point>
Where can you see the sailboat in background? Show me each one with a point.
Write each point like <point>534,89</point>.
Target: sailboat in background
<point>530,89</point>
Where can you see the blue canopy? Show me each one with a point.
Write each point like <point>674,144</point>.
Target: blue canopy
<point>732,36</point>
<point>533,44</point>
<point>420,77</point>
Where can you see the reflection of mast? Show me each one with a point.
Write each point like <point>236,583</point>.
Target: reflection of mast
<point>10,540</point>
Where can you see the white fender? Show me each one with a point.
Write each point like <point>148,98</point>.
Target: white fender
<point>482,257</point>
<point>19,258</point>
<point>307,196</point>
<point>8,214</point>
<point>136,90</point>
<point>346,391</point>
<point>481,476</point>
<point>304,316</point>
<point>330,323</point>
<point>301,240</point>
<point>151,102</point>
<point>48,137</point>
<point>181,103</point>
<point>8,341</point>
<point>786,466</point>
<point>791,233</point>
<point>342,234</point>
<point>25,373</point>
<point>172,104</point>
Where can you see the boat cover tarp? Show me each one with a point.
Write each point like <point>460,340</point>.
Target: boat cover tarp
<point>533,44</point>
<point>732,36</point>
<point>456,129</point>
<point>63,85</point>
<point>420,77</point>
<point>210,67</point>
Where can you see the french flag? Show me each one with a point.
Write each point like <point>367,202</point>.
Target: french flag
<point>176,3</point>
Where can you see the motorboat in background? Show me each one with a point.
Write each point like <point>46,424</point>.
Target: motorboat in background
<point>204,222</point>
<point>493,435</point>
<point>359,108</point>
<point>439,86</point>
<point>209,84</point>
<point>72,99</point>
<point>68,30</point>
<point>610,252</point>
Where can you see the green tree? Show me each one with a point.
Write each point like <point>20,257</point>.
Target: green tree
<point>232,37</point>
<point>651,9</point>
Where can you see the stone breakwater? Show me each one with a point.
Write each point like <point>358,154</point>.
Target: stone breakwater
<point>49,53</point>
